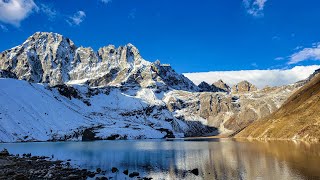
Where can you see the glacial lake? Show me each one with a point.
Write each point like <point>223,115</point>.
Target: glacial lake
<point>161,159</point>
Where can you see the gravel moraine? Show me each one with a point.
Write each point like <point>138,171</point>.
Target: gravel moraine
<point>37,167</point>
<point>26,167</point>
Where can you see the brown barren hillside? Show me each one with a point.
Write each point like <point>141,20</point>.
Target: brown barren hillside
<point>298,118</point>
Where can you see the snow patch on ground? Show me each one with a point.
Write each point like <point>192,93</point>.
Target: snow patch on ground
<point>37,112</point>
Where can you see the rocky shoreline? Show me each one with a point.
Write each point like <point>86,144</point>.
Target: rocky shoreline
<point>26,166</point>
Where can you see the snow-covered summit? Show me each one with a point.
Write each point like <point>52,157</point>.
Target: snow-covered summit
<point>52,58</point>
<point>43,57</point>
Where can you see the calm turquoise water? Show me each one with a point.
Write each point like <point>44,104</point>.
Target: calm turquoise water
<point>160,159</point>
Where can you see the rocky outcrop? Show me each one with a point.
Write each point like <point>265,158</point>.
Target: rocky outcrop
<point>7,74</point>
<point>222,85</point>
<point>205,87</point>
<point>243,87</point>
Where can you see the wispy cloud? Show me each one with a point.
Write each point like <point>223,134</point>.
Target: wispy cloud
<point>48,11</point>
<point>3,28</point>
<point>260,78</point>
<point>275,38</point>
<point>106,1</point>
<point>14,11</point>
<point>298,48</point>
<point>279,58</point>
<point>254,64</point>
<point>304,54</point>
<point>254,7</point>
<point>77,18</point>
<point>132,13</point>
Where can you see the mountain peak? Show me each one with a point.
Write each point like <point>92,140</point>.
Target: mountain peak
<point>244,87</point>
<point>222,85</point>
<point>205,87</point>
<point>130,45</point>
<point>220,81</point>
<point>50,37</point>
<point>47,57</point>
<point>42,33</point>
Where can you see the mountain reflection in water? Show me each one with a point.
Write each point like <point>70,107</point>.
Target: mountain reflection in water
<point>160,159</point>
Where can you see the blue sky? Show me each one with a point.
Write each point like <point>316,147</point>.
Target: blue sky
<point>192,36</point>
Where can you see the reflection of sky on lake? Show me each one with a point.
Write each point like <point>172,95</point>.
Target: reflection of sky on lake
<point>215,159</point>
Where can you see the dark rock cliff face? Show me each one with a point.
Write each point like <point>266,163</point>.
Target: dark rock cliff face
<point>7,74</point>
<point>205,87</point>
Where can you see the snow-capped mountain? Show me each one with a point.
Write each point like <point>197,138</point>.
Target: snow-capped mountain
<point>50,89</point>
<point>54,59</point>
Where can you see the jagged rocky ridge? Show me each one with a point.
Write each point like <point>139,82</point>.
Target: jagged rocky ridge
<point>54,59</point>
<point>219,86</point>
<point>75,93</point>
